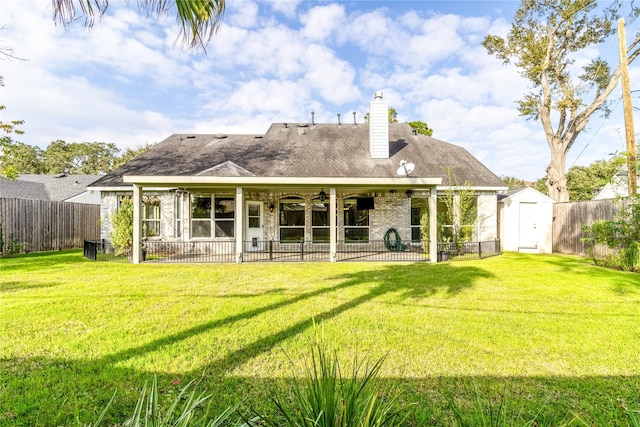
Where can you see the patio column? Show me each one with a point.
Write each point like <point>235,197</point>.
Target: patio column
<point>239,221</point>
<point>333,230</point>
<point>433,225</point>
<point>137,224</point>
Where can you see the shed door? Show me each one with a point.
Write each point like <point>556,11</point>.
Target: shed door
<point>528,227</point>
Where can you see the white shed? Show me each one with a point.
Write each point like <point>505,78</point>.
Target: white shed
<point>526,218</point>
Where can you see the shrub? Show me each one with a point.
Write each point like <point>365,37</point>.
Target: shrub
<point>622,234</point>
<point>121,233</point>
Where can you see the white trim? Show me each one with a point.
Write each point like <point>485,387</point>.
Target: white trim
<point>252,181</point>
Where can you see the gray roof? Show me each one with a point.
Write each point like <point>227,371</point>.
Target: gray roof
<point>304,150</point>
<point>45,187</point>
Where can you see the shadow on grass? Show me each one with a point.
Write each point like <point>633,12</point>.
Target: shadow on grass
<point>411,281</point>
<point>44,391</point>
<point>15,286</point>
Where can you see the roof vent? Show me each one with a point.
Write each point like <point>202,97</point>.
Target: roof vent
<point>312,116</point>
<point>219,136</point>
<point>303,125</point>
<point>191,136</point>
<point>339,124</point>
<point>60,175</point>
<point>354,119</point>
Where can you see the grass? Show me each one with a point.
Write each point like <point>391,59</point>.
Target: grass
<point>547,337</point>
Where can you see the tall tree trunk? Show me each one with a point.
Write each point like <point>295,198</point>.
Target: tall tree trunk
<point>556,177</point>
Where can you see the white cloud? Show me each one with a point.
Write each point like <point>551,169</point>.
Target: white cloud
<point>322,21</point>
<point>274,61</point>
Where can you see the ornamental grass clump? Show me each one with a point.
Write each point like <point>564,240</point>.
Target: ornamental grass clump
<point>185,410</point>
<point>326,397</point>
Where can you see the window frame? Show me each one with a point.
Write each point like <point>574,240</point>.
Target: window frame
<point>351,204</point>
<point>212,218</point>
<point>282,216</point>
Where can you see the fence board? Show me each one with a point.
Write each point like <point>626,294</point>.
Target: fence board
<point>570,217</point>
<point>48,226</point>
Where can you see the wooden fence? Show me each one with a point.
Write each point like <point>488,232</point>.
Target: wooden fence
<point>568,219</point>
<point>46,226</point>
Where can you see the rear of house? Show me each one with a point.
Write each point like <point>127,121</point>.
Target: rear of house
<point>315,188</point>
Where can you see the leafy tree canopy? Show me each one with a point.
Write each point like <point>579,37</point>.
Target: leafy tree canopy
<point>84,158</point>
<point>546,38</point>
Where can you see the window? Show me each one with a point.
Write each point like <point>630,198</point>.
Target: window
<point>356,222</point>
<point>212,216</point>
<point>419,208</point>
<point>225,212</point>
<point>151,215</point>
<point>320,221</point>
<point>292,220</point>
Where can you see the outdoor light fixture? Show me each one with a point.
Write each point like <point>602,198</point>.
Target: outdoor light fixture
<point>409,193</point>
<point>271,207</point>
<point>323,195</point>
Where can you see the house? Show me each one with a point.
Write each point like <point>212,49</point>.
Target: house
<point>323,187</point>
<point>58,188</point>
<point>525,218</point>
<point>617,187</point>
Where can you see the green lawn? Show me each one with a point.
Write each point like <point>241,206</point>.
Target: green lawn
<point>556,336</point>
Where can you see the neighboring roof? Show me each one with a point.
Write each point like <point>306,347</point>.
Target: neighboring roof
<point>617,187</point>
<point>304,150</point>
<point>528,194</point>
<point>18,189</point>
<point>45,187</point>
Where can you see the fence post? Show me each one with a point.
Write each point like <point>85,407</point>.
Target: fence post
<point>270,250</point>
<point>480,250</point>
<point>301,251</point>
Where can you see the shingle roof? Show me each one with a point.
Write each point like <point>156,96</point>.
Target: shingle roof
<point>45,187</point>
<point>319,150</point>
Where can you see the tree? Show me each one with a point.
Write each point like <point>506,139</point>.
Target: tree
<point>21,158</point>
<point>584,182</point>
<point>10,127</point>
<point>130,154</point>
<point>512,182</point>
<point>79,158</point>
<point>199,19</point>
<point>421,127</point>
<point>544,41</point>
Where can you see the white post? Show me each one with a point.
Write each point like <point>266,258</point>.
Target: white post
<point>239,223</point>
<point>433,225</point>
<point>333,229</point>
<point>137,224</point>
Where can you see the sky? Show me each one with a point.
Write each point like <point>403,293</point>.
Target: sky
<point>128,81</point>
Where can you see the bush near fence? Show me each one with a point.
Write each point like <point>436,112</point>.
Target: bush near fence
<point>568,219</point>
